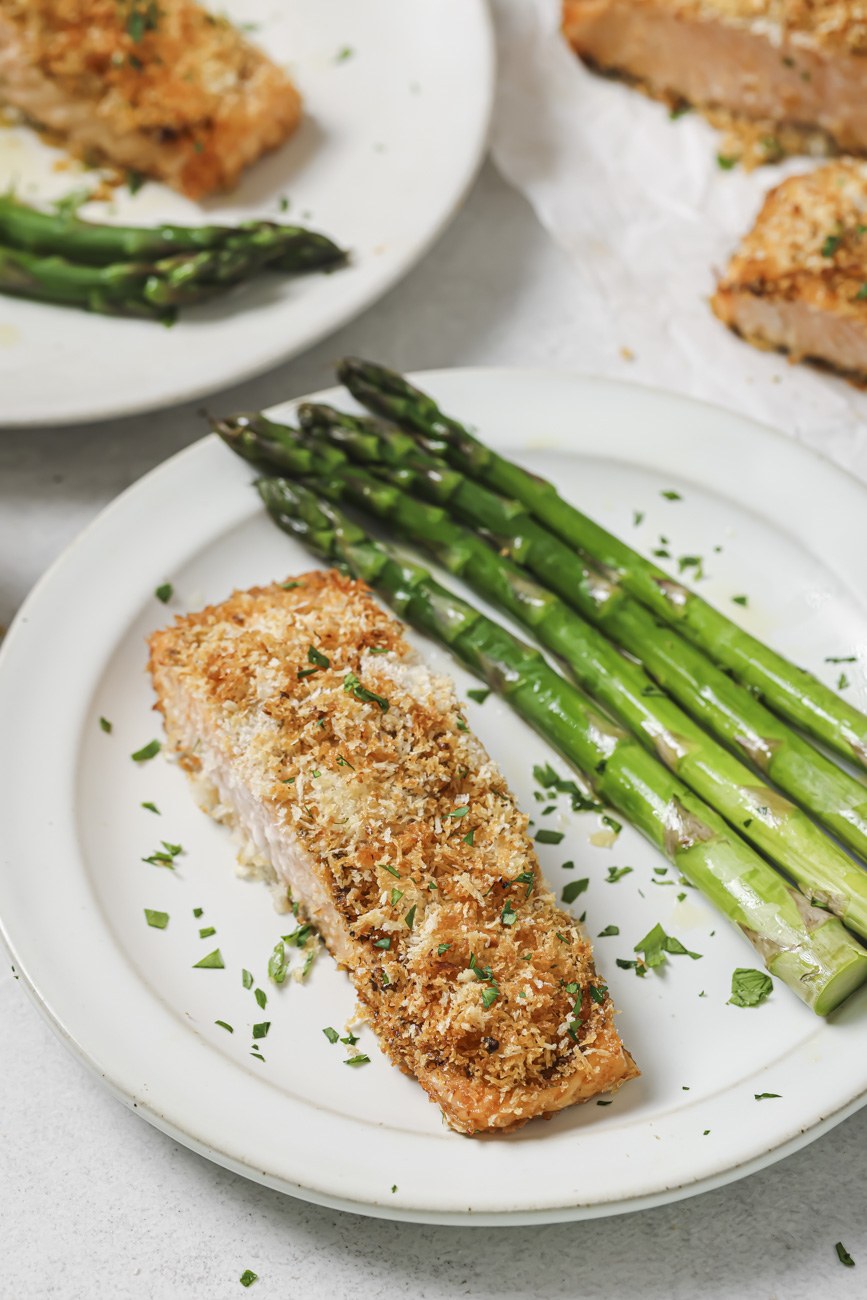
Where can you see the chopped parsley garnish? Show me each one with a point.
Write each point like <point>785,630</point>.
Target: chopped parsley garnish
<point>661,553</point>
<point>458,812</point>
<point>616,873</point>
<point>305,672</point>
<point>760,1096</point>
<point>444,947</point>
<point>608,932</point>
<point>843,1255</point>
<point>344,54</point>
<point>343,762</point>
<point>573,889</point>
<point>597,994</point>
<point>567,866</point>
<point>611,824</point>
<point>410,916</point>
<point>690,562</point>
<point>147,751</point>
<point>462,724</point>
<point>489,996</point>
<point>842,682</point>
<point>378,650</point>
<point>831,244</point>
<point>197,911</point>
<point>548,837</point>
<point>726,161</point>
<point>637,516</point>
<point>527,878</point>
<point>135,181</point>
<point>105,725</point>
<point>508,915</point>
<point>841,659</point>
<point>298,937</point>
<point>750,988</point>
<point>681,897</point>
<point>161,859</point>
<point>479,695</point>
<point>382,943</point>
<point>396,896</point>
<point>213,961</point>
<point>151,807</point>
<point>657,943</point>
<point>248,1277</point>
<point>468,838</point>
<point>605,1101</point>
<point>278,964</point>
<point>350,1040</point>
<point>331,1034</point>
<point>164,593</point>
<point>352,685</point>
<point>261,1030</point>
<point>173,849</point>
<point>671,495</point>
<point>159,920</point>
<point>316,657</point>
<point>561,937</point>
<point>224,1025</point>
<point>246,979</point>
<point>385,866</point>
<point>361,1059</point>
<point>287,586</point>
<point>261,997</point>
<point>207,932</point>
<point>739,600</point>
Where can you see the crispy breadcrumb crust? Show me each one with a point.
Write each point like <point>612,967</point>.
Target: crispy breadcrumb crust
<point>184,83</point>
<point>833,25</point>
<point>808,245</point>
<point>376,798</point>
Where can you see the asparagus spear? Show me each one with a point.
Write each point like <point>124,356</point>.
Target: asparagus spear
<point>116,290</point>
<point>778,828</point>
<point>791,691</point>
<point>803,946</point>
<point>64,234</point>
<point>727,709</point>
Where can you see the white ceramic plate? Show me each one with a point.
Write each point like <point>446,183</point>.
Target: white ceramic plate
<point>125,997</point>
<point>393,134</point>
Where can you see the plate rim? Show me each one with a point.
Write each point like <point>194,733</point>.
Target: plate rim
<point>455,1217</point>
<point>462,183</point>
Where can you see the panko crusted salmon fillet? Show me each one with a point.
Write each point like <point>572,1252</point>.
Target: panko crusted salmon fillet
<point>800,63</point>
<point>306,715</point>
<point>161,87</point>
<point>798,282</point>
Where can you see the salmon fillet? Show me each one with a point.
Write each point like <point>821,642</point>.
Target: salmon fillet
<point>396,832</point>
<point>801,62</point>
<point>162,88</point>
<point>798,282</point>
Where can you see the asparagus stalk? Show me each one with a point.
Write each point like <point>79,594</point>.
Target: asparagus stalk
<point>791,691</point>
<point>64,234</point>
<point>732,713</point>
<point>803,946</point>
<point>117,290</point>
<point>778,828</point>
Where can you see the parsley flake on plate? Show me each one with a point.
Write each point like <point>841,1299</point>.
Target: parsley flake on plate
<point>656,943</point>
<point>616,873</point>
<point>213,961</point>
<point>164,593</point>
<point>479,695</point>
<point>331,1034</point>
<point>843,1255</point>
<point>361,1059</point>
<point>608,931</point>
<point>750,987</point>
<point>159,920</point>
<point>548,837</point>
<point>224,1025</point>
<point>106,726</point>
<point>261,1030</point>
<point>760,1096</point>
<point>261,997</point>
<point>151,807</point>
<point>150,750</point>
<point>248,1277</point>
<point>246,978</point>
<point>573,889</point>
<point>207,932</point>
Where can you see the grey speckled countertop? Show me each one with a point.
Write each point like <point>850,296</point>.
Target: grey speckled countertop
<point>94,1203</point>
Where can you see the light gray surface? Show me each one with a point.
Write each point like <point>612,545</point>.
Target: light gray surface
<point>95,1203</point>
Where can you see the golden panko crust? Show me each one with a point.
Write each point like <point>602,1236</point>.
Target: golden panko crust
<point>202,101</point>
<point>809,243</point>
<point>472,977</point>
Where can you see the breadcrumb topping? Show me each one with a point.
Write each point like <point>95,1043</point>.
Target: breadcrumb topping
<point>810,241</point>
<point>461,958</point>
<point>837,25</point>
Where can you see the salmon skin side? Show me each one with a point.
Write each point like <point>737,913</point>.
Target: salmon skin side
<point>305,719</point>
<point>163,88</point>
<point>798,282</point>
<point>779,61</point>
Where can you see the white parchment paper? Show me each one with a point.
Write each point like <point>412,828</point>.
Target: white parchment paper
<point>648,218</point>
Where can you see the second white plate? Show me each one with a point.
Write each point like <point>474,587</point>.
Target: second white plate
<point>126,998</point>
<point>397,100</point>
